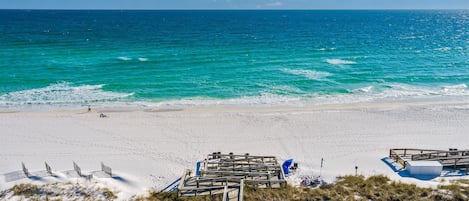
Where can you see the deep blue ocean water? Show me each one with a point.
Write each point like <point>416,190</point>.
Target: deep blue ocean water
<point>59,57</point>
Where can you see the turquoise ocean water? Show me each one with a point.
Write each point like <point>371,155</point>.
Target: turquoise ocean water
<point>76,58</point>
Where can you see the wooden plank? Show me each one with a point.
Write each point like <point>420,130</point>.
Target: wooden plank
<point>437,157</point>
<point>447,163</point>
<point>235,172</point>
<point>209,192</point>
<point>250,169</point>
<point>264,181</point>
<point>251,163</point>
<point>207,188</point>
<point>240,156</point>
<point>183,178</point>
<point>412,149</point>
<point>219,179</point>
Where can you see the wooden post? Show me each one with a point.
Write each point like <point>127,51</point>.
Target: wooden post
<point>241,189</point>
<point>225,194</point>
<point>270,183</point>
<point>183,180</point>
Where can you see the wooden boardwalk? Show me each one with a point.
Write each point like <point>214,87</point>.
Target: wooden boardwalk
<point>451,158</point>
<point>228,173</point>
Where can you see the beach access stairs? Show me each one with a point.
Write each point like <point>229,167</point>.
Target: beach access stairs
<point>227,174</point>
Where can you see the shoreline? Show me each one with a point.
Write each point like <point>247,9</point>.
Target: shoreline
<point>138,106</point>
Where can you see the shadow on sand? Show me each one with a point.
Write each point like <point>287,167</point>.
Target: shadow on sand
<point>404,173</point>
<point>121,179</point>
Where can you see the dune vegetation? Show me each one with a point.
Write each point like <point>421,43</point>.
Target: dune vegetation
<point>348,187</point>
<point>377,187</point>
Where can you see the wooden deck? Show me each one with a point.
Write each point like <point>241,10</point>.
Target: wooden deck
<point>228,173</point>
<point>451,158</point>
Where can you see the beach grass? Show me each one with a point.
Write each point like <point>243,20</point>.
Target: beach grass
<point>378,187</point>
<point>348,187</point>
<point>57,191</point>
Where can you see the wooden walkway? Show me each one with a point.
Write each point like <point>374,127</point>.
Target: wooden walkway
<point>228,173</point>
<point>451,158</point>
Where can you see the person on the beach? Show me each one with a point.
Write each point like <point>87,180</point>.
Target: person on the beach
<point>89,108</point>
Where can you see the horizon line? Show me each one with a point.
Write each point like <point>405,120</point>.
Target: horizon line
<point>237,9</point>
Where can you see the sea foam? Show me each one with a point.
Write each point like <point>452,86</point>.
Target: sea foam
<point>340,62</point>
<point>393,92</point>
<point>62,93</point>
<point>455,89</point>
<point>367,89</point>
<point>286,95</point>
<point>326,49</point>
<point>264,99</point>
<point>443,49</point>
<point>124,58</point>
<point>310,74</point>
<point>402,91</point>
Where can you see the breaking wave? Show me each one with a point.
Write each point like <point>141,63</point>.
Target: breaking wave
<point>459,88</point>
<point>310,74</point>
<point>443,49</point>
<point>379,93</point>
<point>124,58</point>
<point>326,49</point>
<point>398,91</point>
<point>367,89</point>
<point>65,94</point>
<point>62,93</point>
<point>340,62</point>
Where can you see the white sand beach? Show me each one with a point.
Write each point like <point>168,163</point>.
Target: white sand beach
<point>148,149</point>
